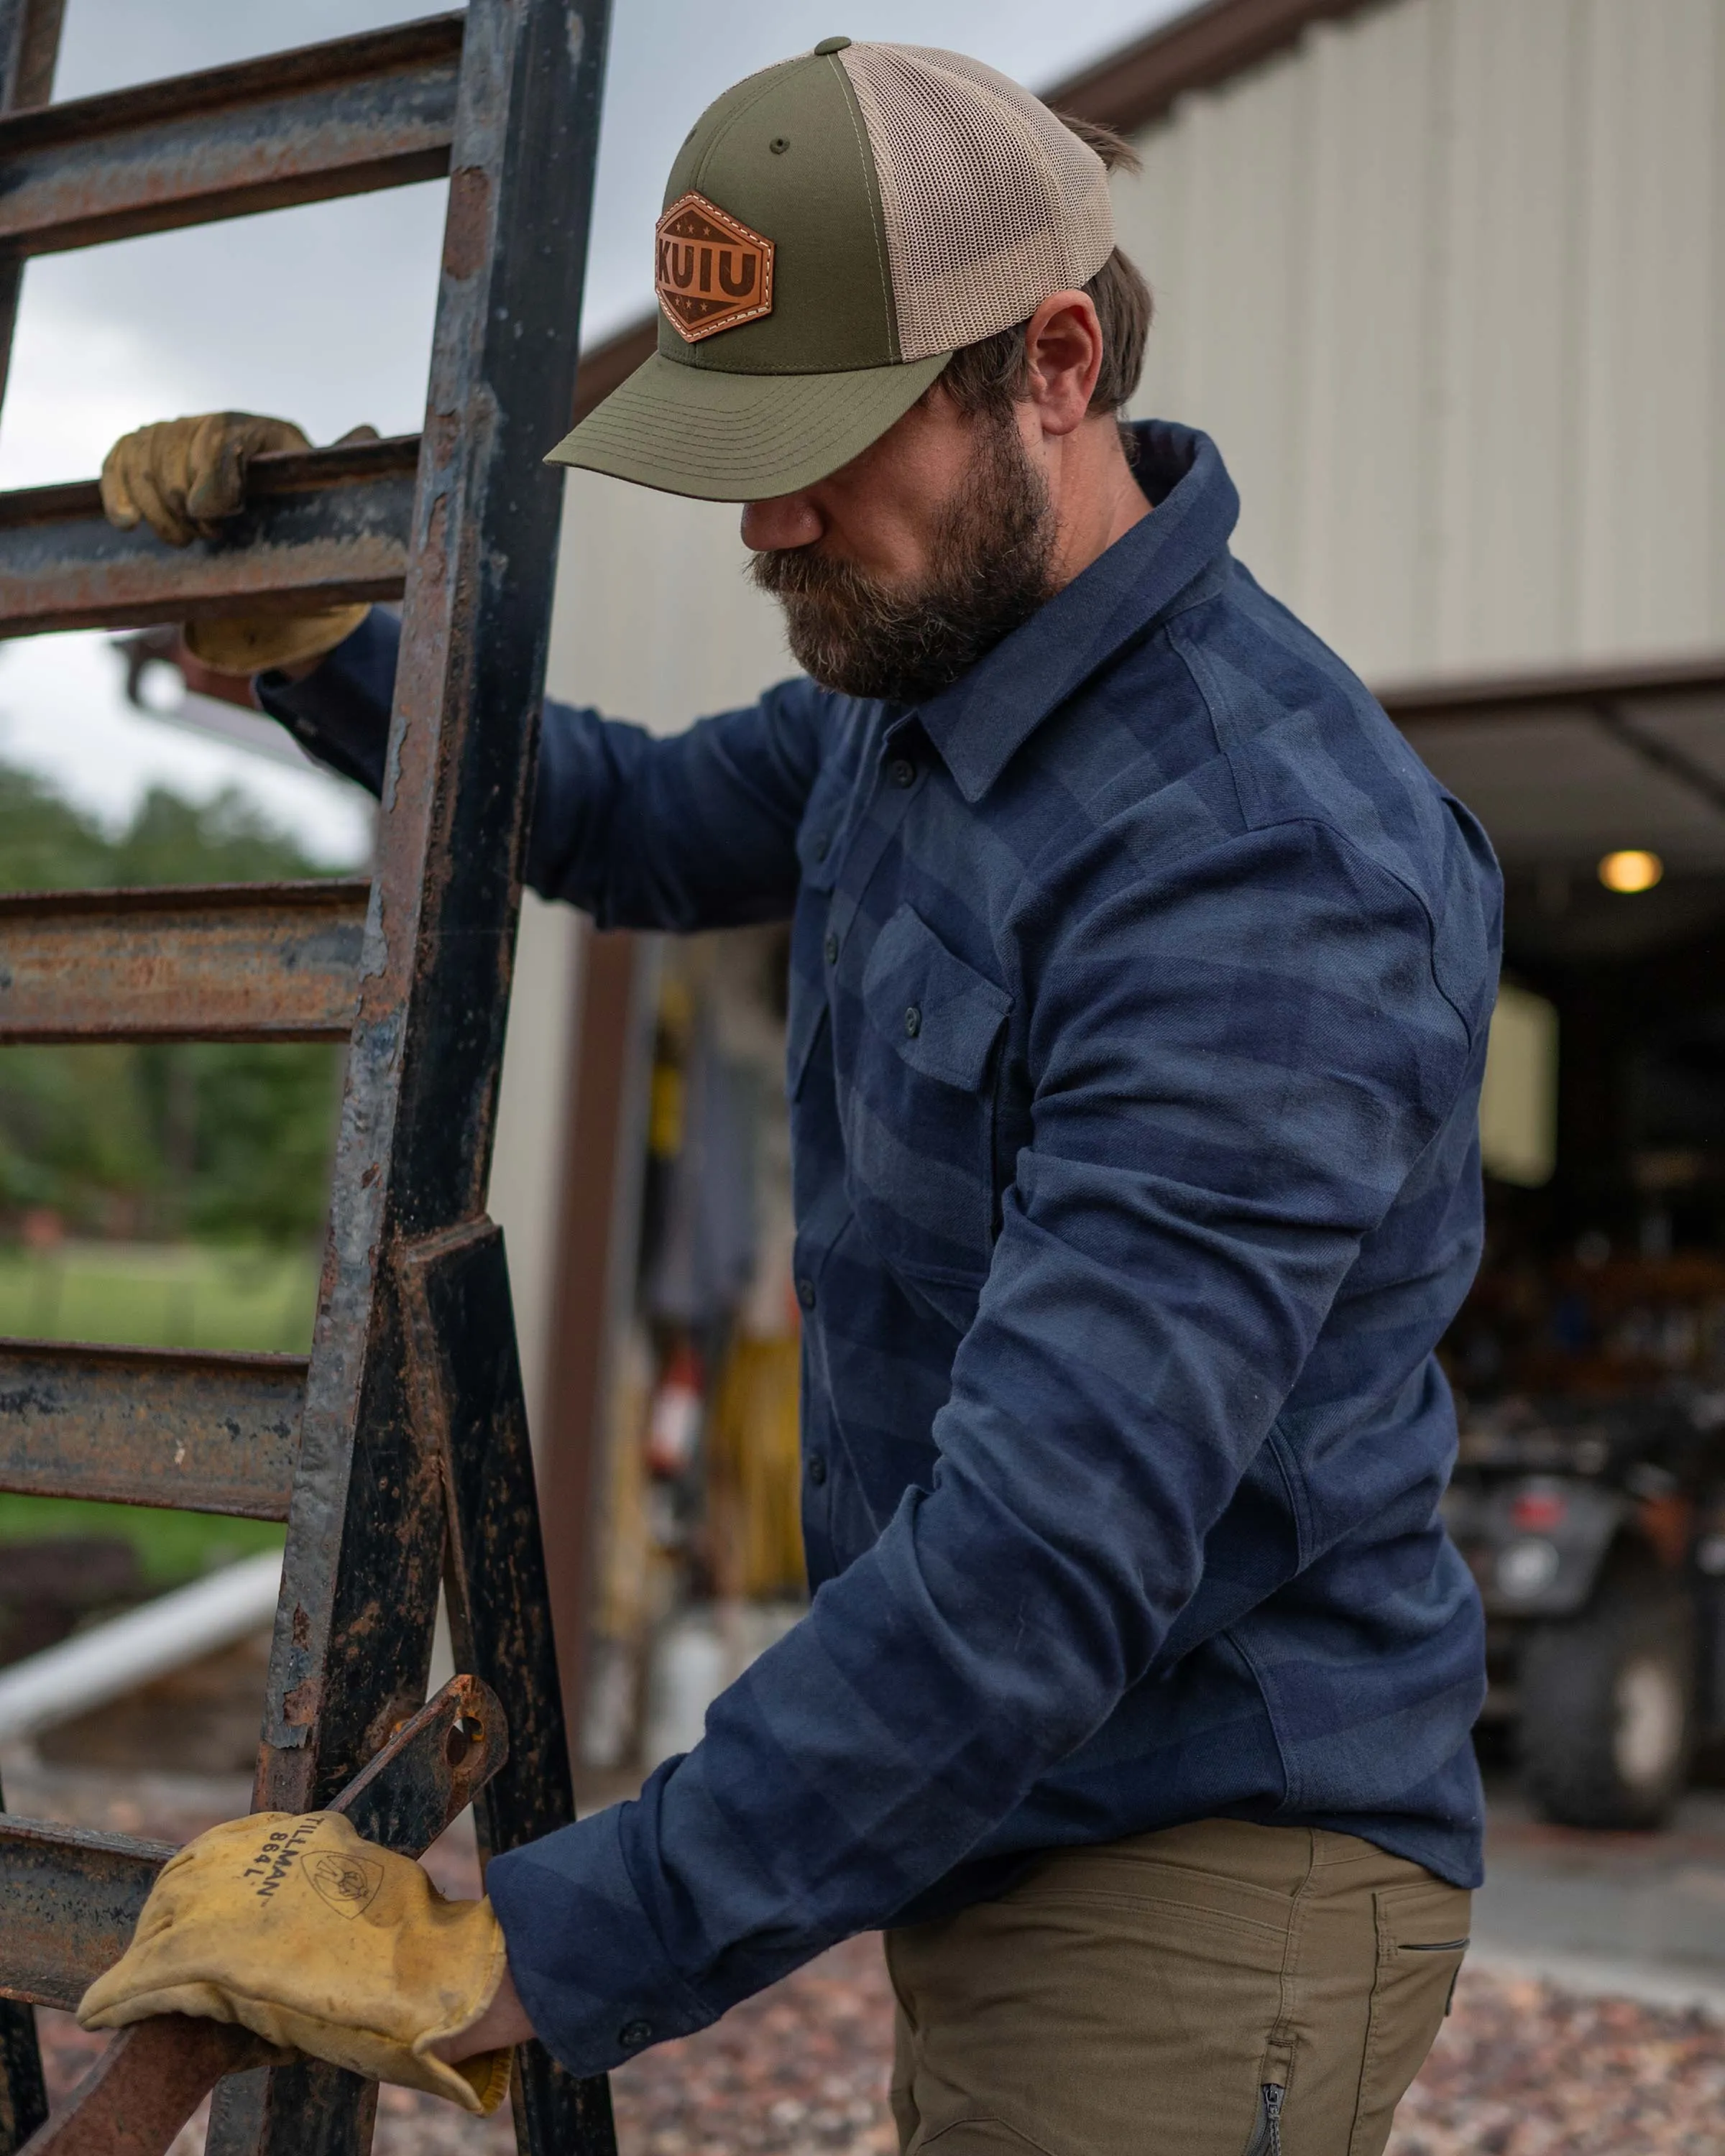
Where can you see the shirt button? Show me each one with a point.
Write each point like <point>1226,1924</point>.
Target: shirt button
<point>913,1021</point>
<point>831,947</point>
<point>805,1292</point>
<point>901,771</point>
<point>817,1471</point>
<point>634,2033</point>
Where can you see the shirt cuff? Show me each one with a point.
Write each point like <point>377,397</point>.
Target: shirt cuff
<point>339,711</point>
<point>583,1950</point>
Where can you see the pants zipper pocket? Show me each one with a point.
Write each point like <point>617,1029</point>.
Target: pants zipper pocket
<point>1266,2136</point>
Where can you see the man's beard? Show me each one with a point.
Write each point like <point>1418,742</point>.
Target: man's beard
<point>991,559</point>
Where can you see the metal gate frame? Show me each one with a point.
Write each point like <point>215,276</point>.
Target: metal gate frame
<point>398,1455</point>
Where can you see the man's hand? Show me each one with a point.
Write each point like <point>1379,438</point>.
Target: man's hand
<point>182,477</point>
<point>321,1943</point>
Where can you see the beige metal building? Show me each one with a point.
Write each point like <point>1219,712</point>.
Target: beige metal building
<point>1445,279</point>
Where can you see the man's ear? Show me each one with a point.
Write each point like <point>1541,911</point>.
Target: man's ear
<point>1063,349</point>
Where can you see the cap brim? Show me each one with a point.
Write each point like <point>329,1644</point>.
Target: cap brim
<point>740,437</point>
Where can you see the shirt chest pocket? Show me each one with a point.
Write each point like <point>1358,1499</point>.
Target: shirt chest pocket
<point>918,1104</point>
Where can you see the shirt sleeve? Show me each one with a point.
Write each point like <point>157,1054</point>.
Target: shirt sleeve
<point>1234,1074</point>
<point>339,713</point>
<point>688,831</point>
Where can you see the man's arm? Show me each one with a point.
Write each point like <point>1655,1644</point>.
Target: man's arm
<point>1222,1112</point>
<point>697,830</point>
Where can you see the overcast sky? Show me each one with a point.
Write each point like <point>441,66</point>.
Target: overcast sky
<point>323,313</point>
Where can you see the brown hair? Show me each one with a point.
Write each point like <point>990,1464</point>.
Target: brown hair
<point>996,372</point>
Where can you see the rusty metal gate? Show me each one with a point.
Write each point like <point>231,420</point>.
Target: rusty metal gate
<point>397,1454</point>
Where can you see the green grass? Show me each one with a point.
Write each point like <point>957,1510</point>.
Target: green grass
<point>143,1294</point>
<point>147,1295</point>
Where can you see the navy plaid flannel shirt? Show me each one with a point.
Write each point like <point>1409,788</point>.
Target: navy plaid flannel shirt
<point>1140,988</point>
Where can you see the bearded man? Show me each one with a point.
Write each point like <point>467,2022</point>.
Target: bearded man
<point>1141,979</point>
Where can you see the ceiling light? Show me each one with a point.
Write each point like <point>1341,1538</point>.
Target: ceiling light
<point>1631,870</point>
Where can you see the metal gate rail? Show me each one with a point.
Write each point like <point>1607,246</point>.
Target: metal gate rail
<point>398,1455</point>
<point>318,528</point>
<point>167,1426</point>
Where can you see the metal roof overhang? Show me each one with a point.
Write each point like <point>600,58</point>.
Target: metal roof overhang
<point>1564,766</point>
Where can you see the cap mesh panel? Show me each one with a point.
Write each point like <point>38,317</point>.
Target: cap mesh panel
<point>990,204</point>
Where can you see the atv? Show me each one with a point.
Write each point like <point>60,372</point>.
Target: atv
<point>1596,1533</point>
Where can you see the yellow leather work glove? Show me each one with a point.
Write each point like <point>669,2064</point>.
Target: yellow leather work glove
<point>182,477</point>
<point>311,1939</point>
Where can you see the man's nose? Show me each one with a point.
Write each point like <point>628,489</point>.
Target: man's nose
<point>789,520</point>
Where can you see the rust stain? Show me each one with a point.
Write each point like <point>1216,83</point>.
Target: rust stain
<point>225,961</point>
<point>388,1721</point>
<point>442,432</point>
<point>468,228</point>
<point>433,549</point>
<point>299,1710</point>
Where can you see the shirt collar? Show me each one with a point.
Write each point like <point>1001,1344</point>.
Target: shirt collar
<point>980,723</point>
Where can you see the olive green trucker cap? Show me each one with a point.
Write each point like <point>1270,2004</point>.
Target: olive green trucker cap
<point>835,227</point>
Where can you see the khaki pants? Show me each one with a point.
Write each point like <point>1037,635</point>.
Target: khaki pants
<point>1218,1989</point>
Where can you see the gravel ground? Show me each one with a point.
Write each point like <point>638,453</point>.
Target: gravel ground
<point>1525,2069</point>
<point>1522,2068</point>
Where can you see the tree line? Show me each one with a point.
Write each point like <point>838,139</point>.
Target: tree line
<point>228,1141</point>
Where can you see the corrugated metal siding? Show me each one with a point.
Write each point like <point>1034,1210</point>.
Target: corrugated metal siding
<point>1447,283</point>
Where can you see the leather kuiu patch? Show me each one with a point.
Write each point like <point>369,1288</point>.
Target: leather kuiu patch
<point>711,271</point>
